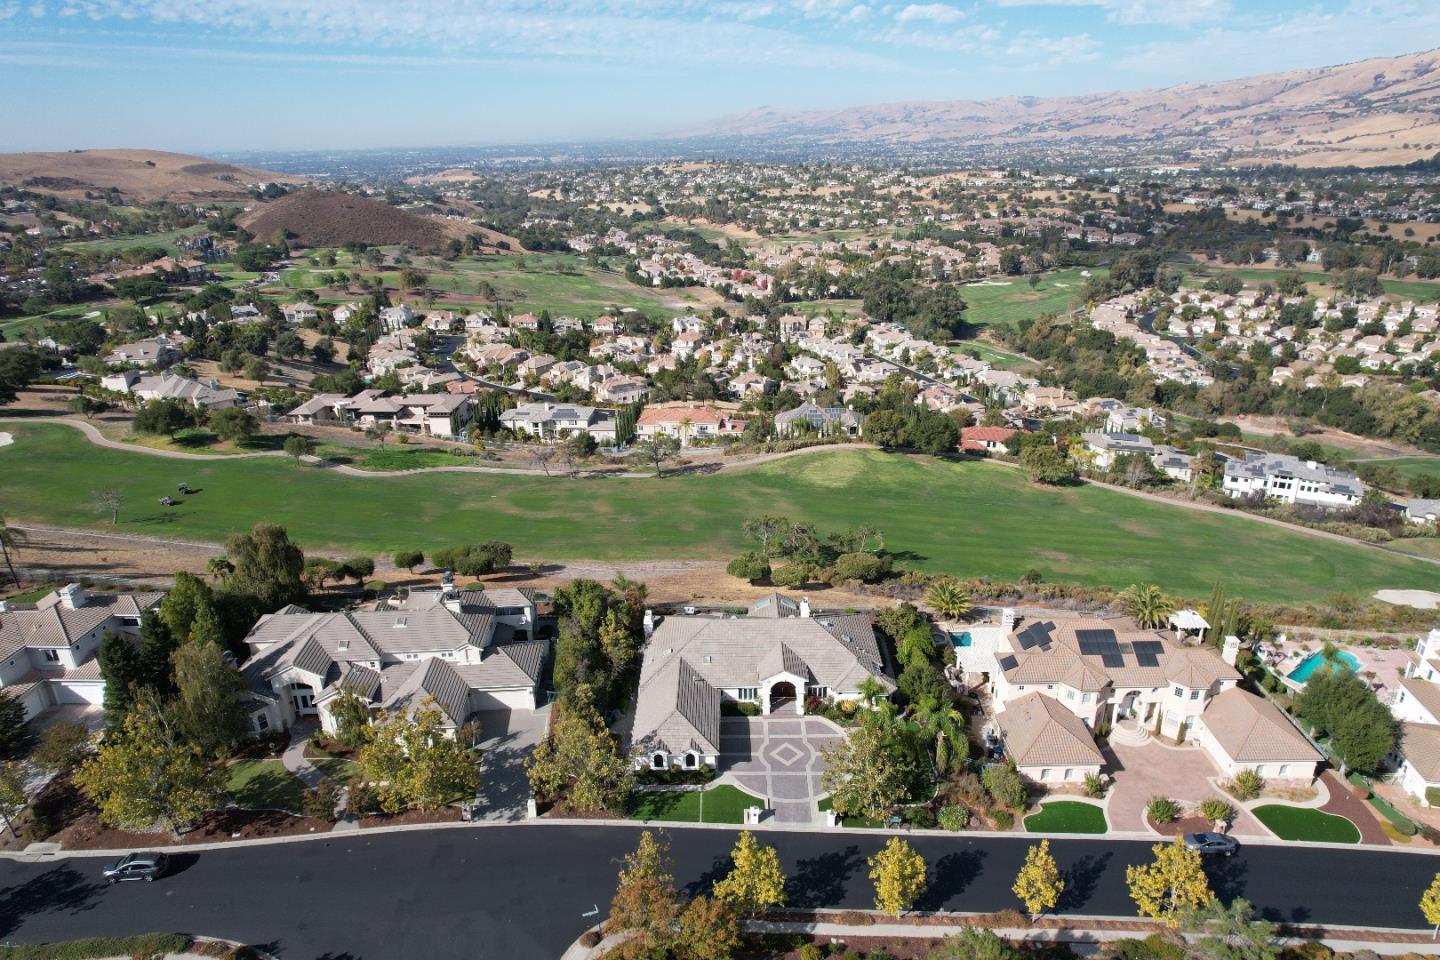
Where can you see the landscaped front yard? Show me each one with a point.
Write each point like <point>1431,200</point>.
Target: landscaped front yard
<point>1067,816</point>
<point>264,785</point>
<point>1306,824</point>
<point>722,804</point>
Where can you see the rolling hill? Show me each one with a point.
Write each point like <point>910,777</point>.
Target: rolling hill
<point>1370,113</point>
<point>142,175</point>
<point>316,218</point>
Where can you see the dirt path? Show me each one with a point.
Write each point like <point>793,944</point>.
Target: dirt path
<point>1363,448</point>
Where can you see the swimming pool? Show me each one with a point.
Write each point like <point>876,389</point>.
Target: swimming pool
<point>961,639</point>
<point>1310,664</point>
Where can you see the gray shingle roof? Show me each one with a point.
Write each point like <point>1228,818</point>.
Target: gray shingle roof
<point>680,712</point>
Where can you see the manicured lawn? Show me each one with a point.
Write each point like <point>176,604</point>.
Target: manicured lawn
<point>264,785</point>
<point>965,518</point>
<point>1306,824</point>
<point>1412,466</point>
<point>1005,301</point>
<point>851,822</point>
<point>1066,816</point>
<point>722,804</point>
<point>336,768</point>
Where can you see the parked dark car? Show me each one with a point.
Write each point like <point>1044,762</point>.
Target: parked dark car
<point>1212,844</point>
<point>137,866</point>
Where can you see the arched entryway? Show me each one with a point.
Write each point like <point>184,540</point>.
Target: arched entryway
<point>782,695</point>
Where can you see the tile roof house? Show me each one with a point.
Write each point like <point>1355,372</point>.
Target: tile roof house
<point>1419,750</point>
<point>774,657</point>
<point>48,649</point>
<point>1047,742</point>
<point>1241,731</point>
<point>157,352</point>
<point>455,648</point>
<point>689,422</point>
<point>557,421</point>
<point>985,439</point>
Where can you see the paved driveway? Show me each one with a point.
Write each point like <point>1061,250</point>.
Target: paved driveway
<point>509,736</point>
<point>779,759</point>
<point>1157,770</point>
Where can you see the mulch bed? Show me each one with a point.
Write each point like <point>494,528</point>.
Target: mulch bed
<point>1343,802</point>
<point>76,824</point>
<point>443,815</point>
<point>1183,825</point>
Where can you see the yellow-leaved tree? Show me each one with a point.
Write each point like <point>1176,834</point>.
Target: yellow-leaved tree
<point>899,876</point>
<point>1038,885</point>
<point>1173,884</point>
<point>755,882</point>
<point>1430,905</point>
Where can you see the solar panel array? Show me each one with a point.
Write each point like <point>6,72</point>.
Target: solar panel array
<point>1147,652</point>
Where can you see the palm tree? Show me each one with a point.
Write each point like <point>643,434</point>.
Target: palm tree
<point>10,540</point>
<point>632,591</point>
<point>947,599</point>
<point>1147,605</point>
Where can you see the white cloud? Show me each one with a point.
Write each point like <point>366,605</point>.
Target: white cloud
<point>1169,12</point>
<point>930,12</point>
<point>1039,52</point>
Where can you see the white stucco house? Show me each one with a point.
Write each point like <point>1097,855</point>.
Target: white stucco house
<point>457,649</point>
<point>1289,479</point>
<point>774,657</point>
<point>48,650</point>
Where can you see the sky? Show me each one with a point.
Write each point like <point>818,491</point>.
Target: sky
<point>241,75</point>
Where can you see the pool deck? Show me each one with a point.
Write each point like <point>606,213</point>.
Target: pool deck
<point>1377,666</point>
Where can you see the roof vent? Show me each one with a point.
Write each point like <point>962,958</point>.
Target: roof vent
<point>344,644</point>
<point>706,659</point>
<point>402,622</point>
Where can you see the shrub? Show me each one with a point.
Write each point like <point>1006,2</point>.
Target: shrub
<point>319,802</point>
<point>590,938</point>
<point>1004,819</point>
<point>1394,832</point>
<point>62,747</point>
<point>145,945</point>
<point>1216,810</point>
<point>1003,920</point>
<point>1247,785</point>
<point>794,575</point>
<point>921,817</point>
<point>954,817</point>
<point>1005,786</point>
<point>750,566</point>
<point>408,559</point>
<point>866,567</point>
<point>1157,946</point>
<point>856,918</point>
<point>474,560</point>
<point>809,951</point>
<point>1432,796</point>
<point>1094,786</point>
<point>1162,809</point>
<point>969,789</point>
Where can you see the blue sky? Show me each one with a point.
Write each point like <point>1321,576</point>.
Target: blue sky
<point>198,75</point>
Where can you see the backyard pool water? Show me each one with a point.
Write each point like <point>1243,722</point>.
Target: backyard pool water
<point>1315,661</point>
<point>961,639</point>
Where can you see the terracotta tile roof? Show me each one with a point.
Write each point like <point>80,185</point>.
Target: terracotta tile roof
<point>1039,731</point>
<point>1253,730</point>
<point>1420,745</point>
<point>1089,652</point>
<point>1425,692</point>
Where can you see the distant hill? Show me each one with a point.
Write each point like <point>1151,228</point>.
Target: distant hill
<point>141,175</point>
<point>1371,113</point>
<point>318,218</point>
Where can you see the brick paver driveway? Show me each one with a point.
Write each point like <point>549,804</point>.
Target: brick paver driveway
<point>1151,770</point>
<point>778,758</point>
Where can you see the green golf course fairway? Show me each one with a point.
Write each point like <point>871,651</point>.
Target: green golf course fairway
<point>965,518</point>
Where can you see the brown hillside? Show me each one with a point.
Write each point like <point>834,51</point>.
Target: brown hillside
<point>318,218</point>
<point>1370,113</point>
<point>141,175</point>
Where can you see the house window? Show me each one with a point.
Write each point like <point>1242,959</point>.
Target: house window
<point>262,722</point>
<point>1284,769</point>
<point>1180,692</point>
<point>1069,773</point>
<point>692,760</point>
<point>748,693</point>
<point>1194,694</point>
<point>1069,694</point>
<point>657,761</point>
<point>1088,698</point>
<point>53,656</point>
<point>817,691</point>
<point>1045,773</point>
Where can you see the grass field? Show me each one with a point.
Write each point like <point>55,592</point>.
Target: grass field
<point>966,518</point>
<point>1422,291</point>
<point>1411,466</point>
<point>1067,816</point>
<point>1000,359</point>
<point>1306,824</point>
<point>264,785</point>
<point>1005,301</point>
<point>722,804</point>
<point>166,239</point>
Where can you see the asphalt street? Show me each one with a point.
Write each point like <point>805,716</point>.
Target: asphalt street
<point>523,892</point>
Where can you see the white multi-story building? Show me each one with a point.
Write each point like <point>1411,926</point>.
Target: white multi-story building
<point>1291,480</point>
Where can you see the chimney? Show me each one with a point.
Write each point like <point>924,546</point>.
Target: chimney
<point>1008,619</point>
<point>649,623</point>
<point>4,606</point>
<point>452,602</point>
<point>1231,651</point>
<point>72,596</point>
<point>805,607</point>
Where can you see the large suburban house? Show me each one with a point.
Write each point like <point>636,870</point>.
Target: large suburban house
<point>1416,704</point>
<point>156,352</point>
<point>48,649</point>
<point>460,649</point>
<point>1094,672</point>
<point>171,386</point>
<point>436,414</point>
<point>688,422</point>
<point>556,421</point>
<point>774,657</point>
<point>1291,480</point>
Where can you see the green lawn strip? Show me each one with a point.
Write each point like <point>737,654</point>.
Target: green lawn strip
<point>1067,816</point>
<point>31,596</point>
<point>264,785</point>
<point>1410,466</point>
<point>97,948</point>
<point>722,804</point>
<point>1403,823</point>
<point>336,768</point>
<point>1306,824</point>
<point>969,519</point>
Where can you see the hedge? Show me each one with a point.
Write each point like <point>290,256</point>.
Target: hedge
<point>96,948</point>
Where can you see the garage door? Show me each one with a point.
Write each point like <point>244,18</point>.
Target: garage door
<point>503,699</point>
<point>80,691</point>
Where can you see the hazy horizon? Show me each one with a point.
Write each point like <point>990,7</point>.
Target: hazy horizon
<point>236,76</point>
